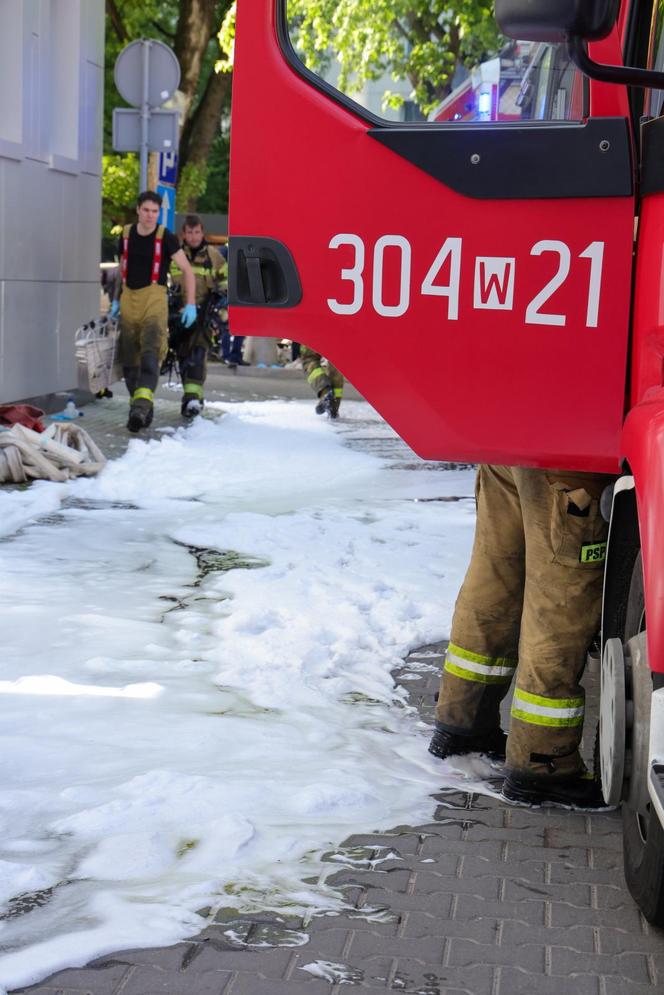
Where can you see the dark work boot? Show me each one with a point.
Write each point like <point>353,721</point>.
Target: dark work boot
<point>192,405</point>
<point>452,744</point>
<point>581,791</point>
<point>326,400</point>
<point>141,413</point>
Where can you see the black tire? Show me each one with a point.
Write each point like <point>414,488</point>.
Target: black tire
<point>643,836</point>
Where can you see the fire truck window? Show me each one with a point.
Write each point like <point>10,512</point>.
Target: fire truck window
<point>422,67</point>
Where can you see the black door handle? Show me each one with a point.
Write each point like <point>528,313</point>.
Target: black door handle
<point>261,273</point>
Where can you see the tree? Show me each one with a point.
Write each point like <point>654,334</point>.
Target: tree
<point>190,28</point>
<point>423,41</point>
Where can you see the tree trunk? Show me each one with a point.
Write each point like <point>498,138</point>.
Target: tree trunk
<point>116,20</point>
<point>201,129</point>
<point>196,25</point>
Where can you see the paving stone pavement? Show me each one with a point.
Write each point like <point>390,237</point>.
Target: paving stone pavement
<point>487,899</point>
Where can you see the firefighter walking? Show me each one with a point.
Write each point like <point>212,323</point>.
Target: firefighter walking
<point>326,382</point>
<point>146,250</point>
<point>528,610</point>
<point>209,269</point>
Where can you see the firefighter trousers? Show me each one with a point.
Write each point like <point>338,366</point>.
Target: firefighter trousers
<point>143,339</point>
<point>319,377</point>
<point>528,609</point>
<point>192,352</point>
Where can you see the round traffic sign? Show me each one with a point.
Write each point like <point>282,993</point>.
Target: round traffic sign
<point>163,72</point>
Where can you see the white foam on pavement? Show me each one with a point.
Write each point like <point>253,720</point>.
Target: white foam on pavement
<point>179,735</point>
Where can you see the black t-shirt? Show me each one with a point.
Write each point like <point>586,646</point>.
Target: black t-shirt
<point>141,254</point>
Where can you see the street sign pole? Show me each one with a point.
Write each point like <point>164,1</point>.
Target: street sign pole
<point>147,74</point>
<point>145,115</point>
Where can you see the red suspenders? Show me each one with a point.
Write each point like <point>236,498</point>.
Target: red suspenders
<point>156,255</point>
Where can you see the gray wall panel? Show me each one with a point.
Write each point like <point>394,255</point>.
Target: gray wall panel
<point>50,196</point>
<point>38,323</point>
<point>81,219</point>
<point>32,219</point>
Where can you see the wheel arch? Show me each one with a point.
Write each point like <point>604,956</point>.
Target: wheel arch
<point>622,549</point>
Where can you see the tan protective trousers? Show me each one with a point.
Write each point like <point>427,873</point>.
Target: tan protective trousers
<point>319,377</point>
<point>143,336</point>
<point>529,606</point>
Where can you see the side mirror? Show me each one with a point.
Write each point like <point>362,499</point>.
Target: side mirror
<point>556,20</point>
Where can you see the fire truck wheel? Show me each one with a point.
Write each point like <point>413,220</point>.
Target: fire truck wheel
<point>643,836</point>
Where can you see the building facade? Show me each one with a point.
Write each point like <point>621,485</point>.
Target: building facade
<point>51,100</point>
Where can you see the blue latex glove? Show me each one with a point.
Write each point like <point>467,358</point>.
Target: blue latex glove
<point>115,309</point>
<point>188,315</point>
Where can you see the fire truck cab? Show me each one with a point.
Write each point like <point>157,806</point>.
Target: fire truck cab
<point>515,239</point>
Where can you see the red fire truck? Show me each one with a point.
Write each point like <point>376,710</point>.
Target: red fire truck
<point>516,86</point>
<point>523,261</point>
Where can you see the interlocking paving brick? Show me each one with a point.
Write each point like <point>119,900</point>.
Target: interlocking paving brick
<point>165,958</point>
<point>358,923</point>
<point>435,846</point>
<point>512,981</point>
<point>366,945</point>
<point>420,924</point>
<point>265,963</point>
<point>145,981</point>
<point>395,880</point>
<point>580,938</point>
<point>632,967</point>
<point>618,986</point>
<point>101,979</point>
<point>579,895</point>
<point>467,952</point>
<point>429,979</point>
<point>618,941</point>
<point>470,907</point>
<point>438,903</point>
<point>562,913</point>
<point>248,984</point>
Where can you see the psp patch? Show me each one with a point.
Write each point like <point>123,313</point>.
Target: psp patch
<point>593,553</point>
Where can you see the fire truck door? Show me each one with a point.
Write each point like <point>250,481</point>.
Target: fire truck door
<point>472,280</point>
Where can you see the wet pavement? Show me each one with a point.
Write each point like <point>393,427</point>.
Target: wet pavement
<point>487,899</point>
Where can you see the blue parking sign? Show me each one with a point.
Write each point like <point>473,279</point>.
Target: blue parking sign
<point>167,213</point>
<point>168,168</point>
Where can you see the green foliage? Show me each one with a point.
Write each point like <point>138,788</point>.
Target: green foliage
<point>153,19</point>
<point>119,186</point>
<point>423,41</point>
<point>226,38</point>
<point>192,182</point>
<point>215,198</point>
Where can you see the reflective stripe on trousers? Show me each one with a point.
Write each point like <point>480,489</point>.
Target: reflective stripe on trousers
<point>475,667</point>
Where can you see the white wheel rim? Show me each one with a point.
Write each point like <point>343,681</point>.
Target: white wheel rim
<point>612,722</point>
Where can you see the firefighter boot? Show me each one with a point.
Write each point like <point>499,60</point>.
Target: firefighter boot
<point>141,413</point>
<point>326,401</point>
<point>580,791</point>
<point>191,406</point>
<point>451,744</point>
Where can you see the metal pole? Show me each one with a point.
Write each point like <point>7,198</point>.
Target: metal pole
<point>145,116</point>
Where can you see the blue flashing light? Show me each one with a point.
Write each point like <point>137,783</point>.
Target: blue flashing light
<point>484,103</point>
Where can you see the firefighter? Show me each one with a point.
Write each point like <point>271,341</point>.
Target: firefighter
<point>528,610</point>
<point>146,250</point>
<point>209,269</point>
<point>328,384</point>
